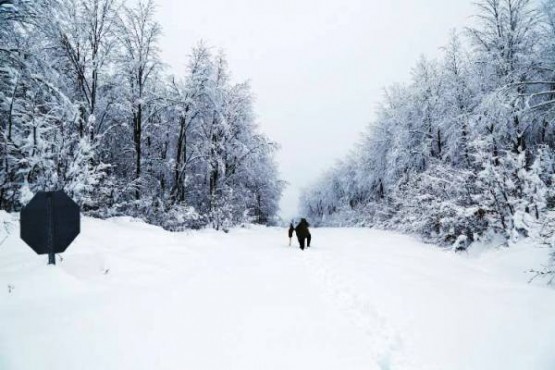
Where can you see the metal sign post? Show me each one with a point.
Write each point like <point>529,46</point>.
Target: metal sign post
<point>50,231</point>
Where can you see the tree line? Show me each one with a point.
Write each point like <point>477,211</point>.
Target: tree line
<point>466,149</point>
<point>87,106</point>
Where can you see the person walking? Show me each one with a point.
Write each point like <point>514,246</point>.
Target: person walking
<point>303,233</point>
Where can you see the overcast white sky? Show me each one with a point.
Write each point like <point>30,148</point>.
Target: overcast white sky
<point>317,68</point>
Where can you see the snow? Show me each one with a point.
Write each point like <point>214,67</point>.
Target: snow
<point>128,295</point>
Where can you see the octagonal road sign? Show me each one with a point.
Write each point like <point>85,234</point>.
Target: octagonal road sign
<point>49,223</point>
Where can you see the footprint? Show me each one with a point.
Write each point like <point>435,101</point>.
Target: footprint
<point>385,342</point>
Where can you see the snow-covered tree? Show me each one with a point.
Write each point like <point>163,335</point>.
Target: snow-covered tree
<point>465,148</point>
<point>85,106</point>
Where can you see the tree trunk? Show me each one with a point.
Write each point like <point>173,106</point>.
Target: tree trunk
<point>439,143</point>
<point>137,136</point>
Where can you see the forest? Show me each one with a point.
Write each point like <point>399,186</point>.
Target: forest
<point>88,106</point>
<point>426,241</point>
<point>465,150</point>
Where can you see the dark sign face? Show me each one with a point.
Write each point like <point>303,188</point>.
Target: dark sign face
<point>50,222</point>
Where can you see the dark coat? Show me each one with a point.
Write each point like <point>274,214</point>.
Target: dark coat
<point>302,229</point>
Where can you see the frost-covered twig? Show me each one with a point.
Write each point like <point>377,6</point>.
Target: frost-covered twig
<point>5,226</point>
<point>547,273</point>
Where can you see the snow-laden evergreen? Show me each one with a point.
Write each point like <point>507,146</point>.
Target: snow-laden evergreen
<point>85,106</point>
<point>465,148</point>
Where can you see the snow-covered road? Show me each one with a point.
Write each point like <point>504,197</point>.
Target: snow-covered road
<point>131,296</point>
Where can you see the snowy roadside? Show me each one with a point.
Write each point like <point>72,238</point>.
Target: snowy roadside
<point>128,295</point>
<point>430,308</point>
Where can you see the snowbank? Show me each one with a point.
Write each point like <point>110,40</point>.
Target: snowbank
<point>128,295</point>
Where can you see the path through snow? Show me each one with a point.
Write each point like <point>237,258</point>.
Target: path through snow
<point>132,296</point>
